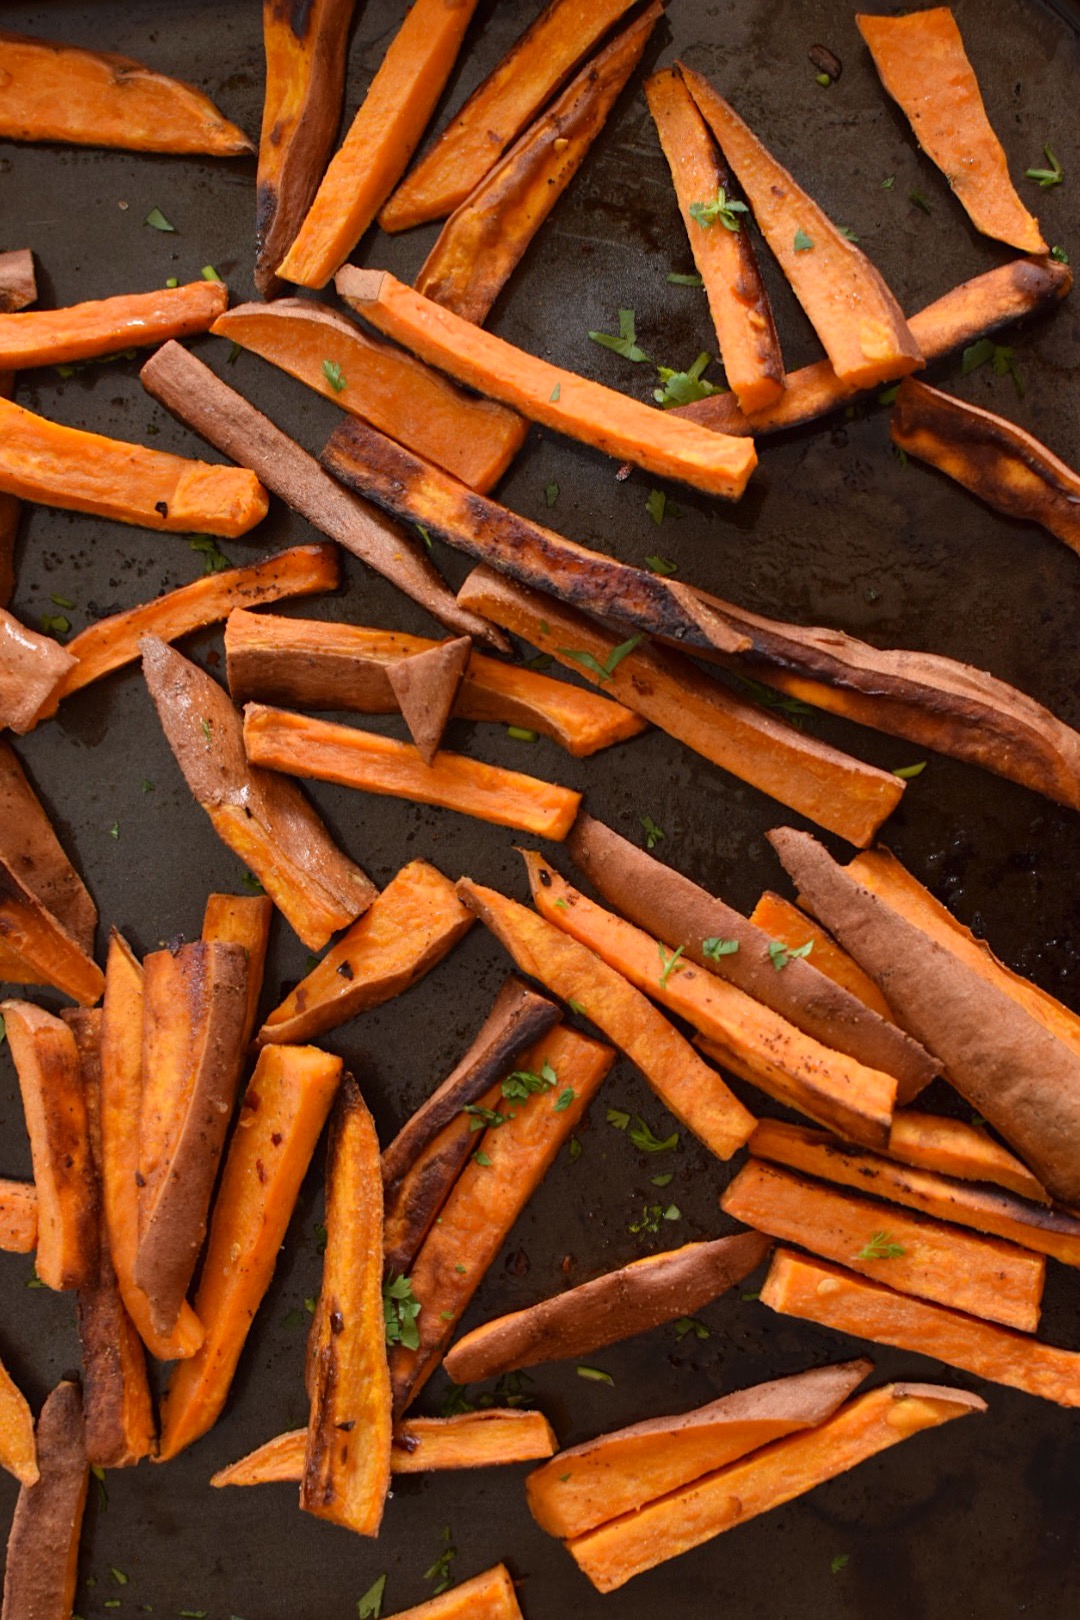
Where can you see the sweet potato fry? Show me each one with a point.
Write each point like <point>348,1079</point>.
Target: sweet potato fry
<point>381,139</point>
<point>306,49</point>
<point>514,92</point>
<point>518,1019</point>
<point>784,922</point>
<point>511,1161</point>
<point>18,287</point>
<point>472,438</point>
<point>347,1457</point>
<point>409,929</point>
<point>924,67</point>
<point>864,1426</point>
<point>562,400</point>
<point>858,320</point>
<point>262,817</point>
<point>412,1203</point>
<point>18,281</point>
<point>837,792</point>
<point>18,1216</point>
<point>30,846</point>
<point>983,1276</point>
<point>952,1148</point>
<point>738,303</point>
<point>225,419</point>
<point>984,1209</point>
<point>35,936</point>
<point>18,1450</point>
<point>600,1479</point>
<point>487,234</point>
<point>426,686</point>
<point>300,746</point>
<point>234,919</point>
<point>610,1308</point>
<point>1024,1080</point>
<point>307,663</point>
<point>56,92</point>
<point>47,1064</point>
<point>489,1596</point>
<point>868,1310</point>
<point>283,1112</point>
<point>43,1545</point>
<point>32,669</point>
<point>50,337</point>
<point>692,1091</point>
<point>996,460</point>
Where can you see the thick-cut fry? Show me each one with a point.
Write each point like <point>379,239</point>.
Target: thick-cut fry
<point>523,82</point>
<point>983,1209</point>
<point>18,1451</point>
<point>381,140</point>
<point>310,663</point>
<point>996,460</point>
<point>426,687</point>
<point>47,1064</point>
<point>62,466</point>
<point>18,287</point>
<point>792,928</point>
<point>306,49</point>
<point>283,1112</point>
<point>18,1216</point>
<point>953,1148</point>
<point>474,439</point>
<point>32,667</point>
<point>738,303</point>
<point>55,92</point>
<point>858,320</point>
<point>301,746</point>
<point>231,423</point>
<point>490,1193</point>
<point>410,927</point>
<point>756,1042</point>
<point>260,815</point>
<point>970,311</point>
<point>30,846</point>
<point>43,1546</point>
<point>49,337</point>
<point>600,1479</point>
<point>924,67</point>
<point>234,919</point>
<point>611,1307</point>
<point>489,1596</point>
<point>612,422</point>
<point>487,234</point>
<point>864,1426</point>
<point>838,1299</point>
<point>838,792</point>
<point>981,1275</point>
<point>692,1091</point>
<point>347,1459</point>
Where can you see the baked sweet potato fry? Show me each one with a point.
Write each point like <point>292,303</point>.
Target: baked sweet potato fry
<point>18,1450</point>
<point>281,1117</point>
<point>381,139</point>
<point>347,1458</point>
<point>585,410</point>
<point>18,280</point>
<point>489,1596</point>
<point>426,687</point>
<point>514,92</point>
<point>952,1148</point>
<point>601,1479</point>
<point>924,67</point>
<point>55,92</point>
<point>32,668</point>
<point>492,1190</point>
<point>408,929</point>
<point>996,460</point>
<point>18,1216</point>
<point>488,232</point>
<point>839,1300</point>
<point>316,664</point>
<point>474,439</point>
<point>831,788</point>
<point>34,936</point>
<point>300,746</point>
<point>260,815</point>
<point>234,919</point>
<point>43,1545</point>
<point>412,1204</point>
<point>612,1307</point>
<point>30,846</point>
<point>50,337</point>
<point>738,303</point>
<point>692,1091</point>
<point>983,1276</point>
<point>18,287</point>
<point>784,922</point>
<point>864,1426</point>
<point>226,420</point>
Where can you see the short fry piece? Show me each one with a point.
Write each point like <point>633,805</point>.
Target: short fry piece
<point>426,687</point>
<point>49,337</point>
<point>18,280</point>
<point>784,922</point>
<point>33,935</point>
<point>347,1459</point>
<point>18,1450</point>
<point>27,841</point>
<point>490,1596</point>
<point>32,666</point>
<point>43,1546</point>
<point>18,1216</point>
<point>234,919</point>
<point>953,1148</point>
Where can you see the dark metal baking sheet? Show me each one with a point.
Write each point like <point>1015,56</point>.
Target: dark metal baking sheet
<point>977,1519</point>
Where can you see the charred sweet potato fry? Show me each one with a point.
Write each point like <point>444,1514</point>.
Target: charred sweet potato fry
<point>474,439</point>
<point>585,410</point>
<point>408,929</point>
<point>952,1148</point>
<point>18,1216</point>
<point>43,1545</point>
<point>790,927</point>
<point>50,337</point>
<point>413,1203</point>
<point>347,1457</point>
<point>259,814</point>
<point>18,1451</point>
<point>596,1481</point>
<point>29,844</point>
<point>234,919</point>
<point>611,1307</point>
<point>32,669</point>
<point>281,1117</point>
<point>426,686</point>
<point>490,228</point>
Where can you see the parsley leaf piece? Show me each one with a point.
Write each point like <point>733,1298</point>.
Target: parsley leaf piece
<point>626,342</point>
<point>716,947</point>
<point>251,883</point>
<point>802,243</point>
<point>722,210</point>
<point>1053,176</point>
<point>603,671</point>
<point>667,963</point>
<point>551,493</point>
<point>755,1294</point>
<point>564,1099</point>
<point>114,830</point>
<point>769,698</point>
<point>172,282</point>
<point>522,734</point>
<point>824,79</point>
<point>880,1247</point>
<point>369,1607</point>
<point>482,1160</point>
<point>55,624</point>
<point>676,278</point>
<point>655,505</point>
<point>482,1116</point>
<point>888,395</point>
<point>440,1569</point>
<point>907,772</point>
<point>846,231</point>
<point>576,1150</point>
<point>456,1401</point>
<point>662,566</point>
<point>157,221</point>
<point>673,1213</point>
<point>595,1375</point>
<point>841,1561</point>
<point>62,601</point>
<point>556,394</point>
<point>664,1180</point>
<point>334,375</point>
<point>208,273</point>
<point>780,955</point>
<point>618,1118</point>
<point>653,834</point>
<point>214,559</point>
<point>645,1139</point>
<point>118,1576</point>
<point>576,1007</point>
<point>400,1310</point>
<point>525,1083</point>
<point>1059,254</point>
<point>686,387</point>
<point>425,536</point>
<point>919,200</point>
<point>888,182</point>
<point>1000,357</point>
<point>690,1324</point>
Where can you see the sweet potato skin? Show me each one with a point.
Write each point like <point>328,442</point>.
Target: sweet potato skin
<point>43,1546</point>
<point>32,668</point>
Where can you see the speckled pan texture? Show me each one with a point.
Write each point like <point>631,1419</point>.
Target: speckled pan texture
<point>979,1518</point>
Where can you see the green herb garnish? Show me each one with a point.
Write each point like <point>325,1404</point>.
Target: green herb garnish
<point>564,1099</point>
<point>334,375</point>
<point>667,963</point>
<point>369,1607</point>
<point>722,210</point>
<point>880,1247</point>
<point>626,342</point>
<point>1053,176</point>
<point>662,566</point>
<point>841,1561</point>
<point>440,1569</point>
<point>522,734</point>
<point>715,948</point>
<point>907,772</point>
<point>595,1375</point>
<point>208,273</point>
<point>919,200</point>
<point>157,221</point>
<point>551,493</point>
<point>653,834</point>
<point>690,1324</point>
<point>655,504</point>
<point>214,559</point>
<point>400,1310</point>
<point>780,955</point>
<point>1059,254</point>
<point>676,278</point>
<point>1001,358</point>
<point>686,387</point>
<point>606,670</point>
<point>525,1083</point>
<point>802,243</point>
